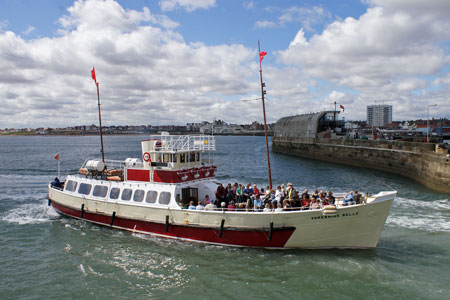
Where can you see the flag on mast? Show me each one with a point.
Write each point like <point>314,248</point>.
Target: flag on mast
<point>261,55</point>
<point>93,75</point>
<point>342,107</point>
<point>57,156</point>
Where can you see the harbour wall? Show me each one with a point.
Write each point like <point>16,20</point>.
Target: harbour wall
<point>418,161</point>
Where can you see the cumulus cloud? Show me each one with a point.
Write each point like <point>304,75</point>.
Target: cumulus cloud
<point>382,53</point>
<point>188,5</point>
<point>148,74</point>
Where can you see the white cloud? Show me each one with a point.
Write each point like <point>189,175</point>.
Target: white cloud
<point>382,55</point>
<point>188,5</point>
<point>29,30</point>
<point>308,17</point>
<point>147,74</point>
<point>264,24</point>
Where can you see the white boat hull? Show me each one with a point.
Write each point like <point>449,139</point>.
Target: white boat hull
<point>355,226</point>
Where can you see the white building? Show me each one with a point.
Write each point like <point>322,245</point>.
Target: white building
<point>379,115</point>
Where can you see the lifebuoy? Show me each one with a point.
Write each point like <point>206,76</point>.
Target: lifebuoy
<point>146,156</point>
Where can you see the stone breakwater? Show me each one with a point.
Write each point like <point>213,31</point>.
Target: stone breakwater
<point>418,161</point>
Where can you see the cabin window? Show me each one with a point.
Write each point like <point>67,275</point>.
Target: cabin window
<point>126,194</point>
<point>100,191</point>
<point>182,157</point>
<point>192,157</point>
<point>174,158</point>
<point>164,198</point>
<point>151,197</point>
<point>138,196</point>
<point>71,186</point>
<point>114,194</point>
<point>197,158</point>
<point>84,189</point>
<point>166,157</point>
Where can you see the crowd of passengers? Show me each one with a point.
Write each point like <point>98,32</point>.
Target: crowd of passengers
<point>250,198</point>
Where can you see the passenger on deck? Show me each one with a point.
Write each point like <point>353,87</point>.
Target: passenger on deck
<point>331,198</point>
<point>248,191</point>
<point>357,197</point>
<point>324,202</point>
<point>257,203</point>
<point>315,195</point>
<point>305,202</point>
<point>305,194</point>
<point>348,200</point>
<point>277,199</point>
<point>314,204</point>
<point>241,207</point>
<point>267,208</point>
<point>192,205</point>
<point>290,193</point>
<point>279,207</point>
<point>210,206</point>
<point>206,200</point>
<point>223,206</point>
<point>220,194</point>
<point>239,193</point>
<point>229,194</point>
<point>322,194</point>
<point>287,205</point>
<point>255,192</point>
<point>200,206</point>
<point>56,183</point>
<point>231,206</point>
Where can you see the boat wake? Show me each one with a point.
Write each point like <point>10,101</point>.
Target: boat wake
<point>431,216</point>
<point>30,213</point>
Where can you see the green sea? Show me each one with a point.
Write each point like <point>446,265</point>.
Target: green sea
<point>46,256</point>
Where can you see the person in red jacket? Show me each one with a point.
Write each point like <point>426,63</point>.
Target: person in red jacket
<point>220,194</point>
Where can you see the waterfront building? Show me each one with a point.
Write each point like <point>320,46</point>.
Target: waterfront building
<point>379,115</point>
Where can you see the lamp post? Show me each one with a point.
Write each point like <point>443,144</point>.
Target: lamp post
<point>428,120</point>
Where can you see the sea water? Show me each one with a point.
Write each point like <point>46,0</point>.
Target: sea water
<point>46,256</point>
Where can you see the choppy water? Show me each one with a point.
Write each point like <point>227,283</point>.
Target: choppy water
<point>46,256</point>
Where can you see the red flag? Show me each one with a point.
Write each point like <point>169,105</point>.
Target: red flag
<point>93,75</point>
<point>342,107</point>
<point>261,55</point>
<point>57,156</point>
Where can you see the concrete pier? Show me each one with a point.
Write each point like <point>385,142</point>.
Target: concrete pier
<point>418,161</point>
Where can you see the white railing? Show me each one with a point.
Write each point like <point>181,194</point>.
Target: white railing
<point>185,142</point>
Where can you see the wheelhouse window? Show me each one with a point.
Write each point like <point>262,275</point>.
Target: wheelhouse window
<point>126,194</point>
<point>100,191</point>
<point>164,198</point>
<point>84,189</point>
<point>151,197</point>
<point>192,157</point>
<point>71,186</point>
<point>114,194</point>
<point>138,196</point>
<point>182,157</point>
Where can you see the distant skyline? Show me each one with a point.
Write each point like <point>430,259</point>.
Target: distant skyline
<point>181,61</point>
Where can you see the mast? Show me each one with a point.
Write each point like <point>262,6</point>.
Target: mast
<point>261,56</point>
<point>100,122</point>
<point>99,112</point>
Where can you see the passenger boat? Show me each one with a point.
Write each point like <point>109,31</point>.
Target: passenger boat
<point>146,195</point>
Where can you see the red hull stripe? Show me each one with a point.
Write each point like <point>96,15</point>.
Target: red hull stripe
<point>232,237</point>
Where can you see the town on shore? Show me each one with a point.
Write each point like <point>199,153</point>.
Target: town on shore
<point>438,129</point>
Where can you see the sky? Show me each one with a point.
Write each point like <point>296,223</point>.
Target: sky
<point>164,62</point>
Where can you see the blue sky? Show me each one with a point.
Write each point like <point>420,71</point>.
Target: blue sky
<point>178,61</point>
